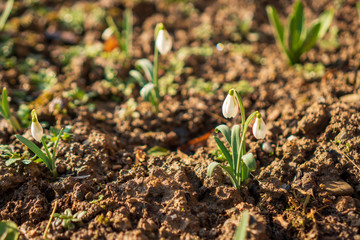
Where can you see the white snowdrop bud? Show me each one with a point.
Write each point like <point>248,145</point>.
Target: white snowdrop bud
<point>230,106</point>
<point>36,128</point>
<point>259,128</point>
<point>163,41</point>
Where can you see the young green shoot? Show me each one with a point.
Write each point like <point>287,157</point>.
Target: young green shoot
<point>67,219</point>
<point>239,162</point>
<point>5,111</point>
<point>294,39</point>
<point>38,134</point>
<point>123,35</point>
<point>5,14</point>
<point>149,79</point>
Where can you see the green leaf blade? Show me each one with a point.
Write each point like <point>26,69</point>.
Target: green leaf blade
<point>249,161</point>
<point>240,233</point>
<point>5,103</point>
<point>146,66</point>
<point>235,145</point>
<point>296,24</point>
<point>35,149</point>
<point>311,38</point>
<point>225,130</point>
<point>325,19</point>
<point>225,151</point>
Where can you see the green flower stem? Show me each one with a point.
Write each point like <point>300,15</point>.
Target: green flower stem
<point>48,153</point>
<point>242,109</point>
<point>242,144</point>
<point>155,72</point>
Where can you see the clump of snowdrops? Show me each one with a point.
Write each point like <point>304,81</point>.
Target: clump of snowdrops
<point>37,133</point>
<point>240,163</point>
<point>147,73</point>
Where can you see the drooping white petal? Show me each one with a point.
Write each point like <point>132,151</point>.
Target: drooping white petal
<point>163,42</point>
<point>229,107</point>
<point>37,131</point>
<point>107,33</point>
<point>259,128</point>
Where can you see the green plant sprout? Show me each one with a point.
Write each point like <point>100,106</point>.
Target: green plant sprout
<point>67,220</point>
<point>15,158</point>
<point>150,84</point>
<point>38,135</point>
<point>299,39</point>
<point>5,14</point>
<point>123,35</point>
<point>240,232</point>
<point>5,111</point>
<point>8,230</point>
<point>239,162</point>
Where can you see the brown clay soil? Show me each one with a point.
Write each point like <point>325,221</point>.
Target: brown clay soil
<point>309,188</point>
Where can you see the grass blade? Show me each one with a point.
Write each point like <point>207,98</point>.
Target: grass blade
<point>325,19</point>
<point>235,144</point>
<point>225,130</point>
<point>5,103</point>
<point>6,13</point>
<point>240,233</point>
<point>146,66</point>
<point>249,161</point>
<point>56,144</point>
<point>311,38</point>
<point>279,30</point>
<point>138,77</point>
<point>296,24</point>
<point>224,150</point>
<point>35,149</point>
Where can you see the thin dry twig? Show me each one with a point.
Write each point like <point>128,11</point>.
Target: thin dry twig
<point>48,225</point>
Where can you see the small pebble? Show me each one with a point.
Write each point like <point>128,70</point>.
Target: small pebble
<point>339,188</point>
<point>266,147</point>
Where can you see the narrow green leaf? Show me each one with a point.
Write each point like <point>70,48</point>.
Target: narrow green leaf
<point>225,130</point>
<point>146,91</point>
<point>146,66</point>
<point>158,151</point>
<point>2,112</point>
<point>240,233</point>
<point>35,149</point>
<point>5,14</point>
<point>275,22</point>
<point>296,27</point>
<point>325,19</point>
<point>249,161</point>
<point>279,30</point>
<point>244,172</point>
<point>311,38</point>
<point>128,27</point>
<point>231,175</point>
<point>227,170</point>
<point>224,150</point>
<point>56,144</point>
<point>5,103</point>
<point>212,167</point>
<point>138,77</point>
<point>235,145</point>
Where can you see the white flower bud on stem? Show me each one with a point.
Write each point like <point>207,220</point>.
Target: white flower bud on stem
<point>230,106</point>
<point>36,128</point>
<point>259,127</point>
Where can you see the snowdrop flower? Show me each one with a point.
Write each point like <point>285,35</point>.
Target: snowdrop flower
<point>163,41</point>
<point>36,128</point>
<point>107,33</point>
<point>259,128</point>
<point>230,105</point>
